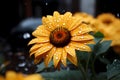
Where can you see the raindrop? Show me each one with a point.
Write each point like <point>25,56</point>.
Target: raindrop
<point>82,37</point>
<point>115,60</point>
<point>58,21</point>
<point>63,23</point>
<point>67,47</point>
<point>21,64</point>
<point>26,69</point>
<point>79,31</point>
<point>118,15</point>
<point>83,47</point>
<point>46,3</point>
<point>26,35</point>
<point>56,58</point>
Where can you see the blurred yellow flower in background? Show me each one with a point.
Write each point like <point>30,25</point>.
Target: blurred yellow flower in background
<point>106,23</point>
<point>12,75</point>
<point>110,27</point>
<point>58,37</point>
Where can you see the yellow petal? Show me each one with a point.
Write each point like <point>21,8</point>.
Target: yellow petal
<point>39,58</point>
<point>41,31</point>
<point>57,56</point>
<point>20,76</point>
<point>72,59</point>
<point>11,75</point>
<point>76,22</point>
<point>39,40</point>
<point>64,57</point>
<point>80,46</point>
<point>35,47</point>
<point>56,14</point>
<point>48,22</point>
<point>49,56</point>
<point>33,77</point>
<point>46,47</point>
<point>70,50</point>
<point>82,29</point>
<point>84,37</point>
<point>1,78</point>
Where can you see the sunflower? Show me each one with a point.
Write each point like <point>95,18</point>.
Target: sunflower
<point>58,37</point>
<point>12,75</point>
<point>109,25</point>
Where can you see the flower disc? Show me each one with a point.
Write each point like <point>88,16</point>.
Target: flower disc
<point>60,37</point>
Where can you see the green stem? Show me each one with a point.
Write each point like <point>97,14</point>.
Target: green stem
<point>93,68</point>
<point>83,72</point>
<point>88,63</point>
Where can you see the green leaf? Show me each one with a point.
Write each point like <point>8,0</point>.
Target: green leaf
<point>113,70</point>
<point>98,36</point>
<point>62,75</point>
<point>82,55</point>
<point>102,47</point>
<point>101,76</point>
<point>41,67</point>
<point>103,59</point>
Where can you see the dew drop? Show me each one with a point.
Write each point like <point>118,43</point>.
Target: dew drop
<point>82,37</point>
<point>67,47</point>
<point>63,23</point>
<point>56,58</point>
<point>118,15</point>
<point>46,3</point>
<point>79,31</point>
<point>58,21</point>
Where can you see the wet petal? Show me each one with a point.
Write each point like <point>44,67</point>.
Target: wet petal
<point>11,75</point>
<point>49,56</point>
<point>80,46</point>
<point>32,77</point>
<point>67,19</point>
<point>57,56</point>
<point>64,57</point>
<point>48,22</point>
<point>35,51</point>
<point>41,31</point>
<point>72,59</point>
<point>39,40</point>
<point>46,47</point>
<point>82,29</point>
<point>56,14</point>
<point>34,47</point>
<point>76,22</point>
<point>70,50</point>
<point>37,60</point>
<point>84,37</point>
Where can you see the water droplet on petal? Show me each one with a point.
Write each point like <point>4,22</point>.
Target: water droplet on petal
<point>56,58</point>
<point>63,23</point>
<point>79,32</point>
<point>67,47</point>
<point>82,37</point>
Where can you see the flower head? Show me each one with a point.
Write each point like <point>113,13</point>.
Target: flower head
<point>12,75</point>
<point>109,25</point>
<point>58,37</point>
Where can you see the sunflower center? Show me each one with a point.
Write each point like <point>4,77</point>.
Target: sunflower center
<point>107,22</point>
<point>60,37</point>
